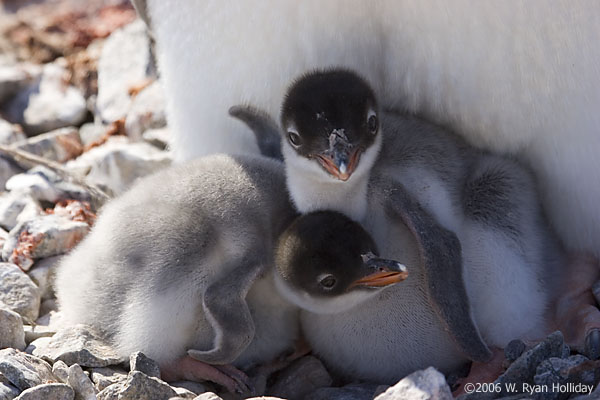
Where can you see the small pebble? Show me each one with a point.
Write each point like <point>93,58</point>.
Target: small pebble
<point>81,384</point>
<point>11,330</point>
<point>48,391</point>
<point>514,349</point>
<point>18,292</point>
<point>427,384</point>
<point>139,362</point>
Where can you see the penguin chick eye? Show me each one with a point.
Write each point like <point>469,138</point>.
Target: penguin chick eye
<point>294,138</point>
<point>372,124</point>
<point>328,282</point>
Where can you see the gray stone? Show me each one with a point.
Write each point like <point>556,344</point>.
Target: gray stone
<point>195,387</point>
<point>118,163</point>
<point>160,138</point>
<point>420,385</point>
<point>16,207</point>
<point>42,273</point>
<point>61,371</point>
<point>11,330</point>
<point>8,391</point>
<point>23,370</point>
<point>142,386</point>
<point>302,377</point>
<point>40,329</point>
<point>514,349</point>
<point>125,62</point>
<point>147,111</point>
<point>45,236</point>
<point>18,292</point>
<point>524,368</point>
<point>81,384</point>
<point>558,371</point>
<point>14,78</point>
<point>111,392</point>
<point>48,391</point>
<point>48,103</point>
<point>139,362</point>
<point>59,145</point>
<point>7,171</point>
<point>355,391</point>
<point>104,377</point>
<point>10,133</point>
<point>77,344</point>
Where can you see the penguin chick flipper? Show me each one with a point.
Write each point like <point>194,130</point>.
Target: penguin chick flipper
<point>441,256</point>
<point>226,309</point>
<point>577,314</point>
<point>264,127</point>
<point>187,368</point>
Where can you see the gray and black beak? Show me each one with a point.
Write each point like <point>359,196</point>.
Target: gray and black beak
<point>381,272</point>
<point>341,158</point>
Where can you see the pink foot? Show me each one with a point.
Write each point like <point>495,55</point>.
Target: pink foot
<point>576,311</point>
<point>187,368</point>
<point>483,372</point>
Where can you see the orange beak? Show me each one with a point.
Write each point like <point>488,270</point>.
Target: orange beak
<point>338,166</point>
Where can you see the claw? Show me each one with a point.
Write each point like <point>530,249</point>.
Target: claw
<point>592,344</point>
<point>243,383</point>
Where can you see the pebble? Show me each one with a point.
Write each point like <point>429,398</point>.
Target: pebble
<point>212,396</point>
<point>8,391</point>
<point>14,78</point>
<point>45,236</point>
<point>147,111</point>
<point>555,370</point>
<point>11,330</point>
<point>420,385</point>
<point>18,292</point>
<point>10,133</point>
<point>92,132</point>
<point>59,145</point>
<point>23,370</point>
<point>48,103</point>
<point>104,377</point>
<point>160,137</point>
<point>81,384</point>
<point>139,362</point>
<point>48,391</point>
<point>514,349</point>
<point>118,163</point>
<point>355,391</point>
<point>78,344</point>
<point>42,273</point>
<point>111,392</point>
<point>7,171</point>
<point>61,371</point>
<point>125,61</point>
<point>299,379</point>
<point>142,386</point>
<point>16,207</point>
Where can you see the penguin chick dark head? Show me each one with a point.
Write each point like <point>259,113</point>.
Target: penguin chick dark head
<point>326,264</point>
<point>330,122</point>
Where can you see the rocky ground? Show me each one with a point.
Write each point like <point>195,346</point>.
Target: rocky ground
<point>82,117</point>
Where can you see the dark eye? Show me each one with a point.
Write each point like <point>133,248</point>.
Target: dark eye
<point>328,282</point>
<point>294,138</point>
<point>372,124</point>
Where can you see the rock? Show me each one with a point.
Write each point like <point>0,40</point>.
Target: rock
<point>514,349</point>
<point>142,386</point>
<point>61,371</point>
<point>18,292</point>
<point>48,391</point>
<point>556,371</point>
<point>183,393</point>
<point>42,273</point>
<point>147,111</point>
<point>7,170</point>
<point>139,362</point>
<point>78,344</point>
<point>45,236</point>
<point>194,387</point>
<point>364,391</point>
<point>81,384</point>
<point>43,327</point>
<point>8,391</point>
<point>48,103</point>
<point>523,369</point>
<point>92,132</point>
<point>208,396</point>
<point>118,163</point>
<point>125,62</point>
<point>420,385</point>
<point>11,330</point>
<point>23,370</point>
<point>111,392</point>
<point>10,133</point>
<point>16,207</point>
<point>104,377</point>
<point>59,145</point>
<point>302,377</point>
<point>14,78</point>
<point>158,137</point>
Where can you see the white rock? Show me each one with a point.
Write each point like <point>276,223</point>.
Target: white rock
<point>118,163</point>
<point>11,330</point>
<point>81,384</point>
<point>10,133</point>
<point>14,78</point>
<point>147,111</point>
<point>427,384</point>
<point>18,292</point>
<point>48,103</point>
<point>104,377</point>
<point>61,371</point>
<point>15,207</point>
<point>91,132</point>
<point>42,273</point>
<point>45,236</point>
<point>60,145</point>
<point>125,62</point>
<point>7,170</point>
<point>23,370</point>
<point>48,391</point>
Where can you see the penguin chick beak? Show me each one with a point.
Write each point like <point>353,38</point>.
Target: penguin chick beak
<point>341,162</point>
<point>381,272</point>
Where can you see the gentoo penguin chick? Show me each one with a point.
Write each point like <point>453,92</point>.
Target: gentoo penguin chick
<point>178,268</point>
<point>325,263</point>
